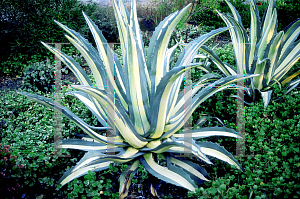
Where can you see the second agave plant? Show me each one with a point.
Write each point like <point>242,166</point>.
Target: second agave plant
<point>149,107</point>
<point>264,51</point>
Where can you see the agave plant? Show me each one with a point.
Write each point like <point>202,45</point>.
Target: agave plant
<point>149,108</point>
<point>263,52</point>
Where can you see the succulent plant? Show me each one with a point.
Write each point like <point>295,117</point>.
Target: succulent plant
<point>144,118</point>
<point>263,51</point>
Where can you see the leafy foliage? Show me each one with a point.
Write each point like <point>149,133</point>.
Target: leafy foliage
<point>39,76</point>
<point>155,10</point>
<point>272,154</point>
<point>271,137</point>
<point>25,23</point>
<point>205,14</point>
<point>106,22</point>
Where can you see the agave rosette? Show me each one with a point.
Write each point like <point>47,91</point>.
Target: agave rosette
<point>263,51</point>
<point>148,109</point>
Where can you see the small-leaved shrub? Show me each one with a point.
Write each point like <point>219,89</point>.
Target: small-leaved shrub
<point>106,22</point>
<point>39,76</point>
<point>25,23</point>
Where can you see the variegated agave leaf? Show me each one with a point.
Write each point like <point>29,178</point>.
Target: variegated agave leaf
<point>263,51</point>
<point>148,108</point>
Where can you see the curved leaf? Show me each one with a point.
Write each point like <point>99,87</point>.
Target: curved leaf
<point>221,84</point>
<point>254,31</point>
<point>92,105</point>
<point>70,175</point>
<point>80,123</point>
<point>120,117</point>
<point>208,132</point>
<point>71,64</point>
<point>84,145</point>
<point>180,171</point>
<point>164,173</point>
<point>205,118</point>
<point>89,53</point>
<point>196,172</point>
<point>106,54</point>
<point>126,177</point>
<point>137,94</point>
<point>239,40</point>
<point>215,150</point>
<point>227,71</point>
<point>158,46</point>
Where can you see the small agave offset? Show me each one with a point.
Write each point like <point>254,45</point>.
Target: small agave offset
<point>149,107</point>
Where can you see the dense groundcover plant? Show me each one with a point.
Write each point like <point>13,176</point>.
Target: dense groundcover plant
<point>263,51</point>
<point>272,151</point>
<point>146,116</point>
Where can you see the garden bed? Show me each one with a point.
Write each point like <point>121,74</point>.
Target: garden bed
<point>271,138</point>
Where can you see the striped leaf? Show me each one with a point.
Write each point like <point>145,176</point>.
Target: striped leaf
<point>84,145</point>
<point>163,173</point>
<point>179,119</point>
<point>216,151</point>
<point>177,146</point>
<point>89,53</point>
<point>79,122</point>
<point>225,69</point>
<point>137,94</point>
<point>158,47</point>
<point>121,119</point>
<point>209,132</point>
<point>196,172</point>
<point>71,64</point>
<point>239,41</point>
<point>96,160</point>
<point>106,55</point>
<point>205,118</point>
<point>291,33</point>
<point>165,87</point>
<point>126,177</point>
<point>71,175</point>
<point>254,30</point>
<point>92,105</point>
